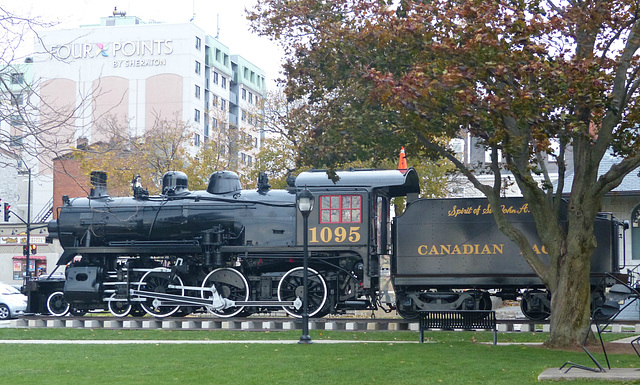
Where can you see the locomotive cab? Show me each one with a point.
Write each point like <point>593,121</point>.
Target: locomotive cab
<point>351,218</point>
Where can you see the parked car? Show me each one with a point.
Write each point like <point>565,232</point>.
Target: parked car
<point>12,302</point>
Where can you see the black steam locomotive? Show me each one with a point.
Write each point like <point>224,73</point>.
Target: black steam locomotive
<point>235,252</point>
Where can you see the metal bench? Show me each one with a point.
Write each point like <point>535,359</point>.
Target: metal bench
<point>458,319</point>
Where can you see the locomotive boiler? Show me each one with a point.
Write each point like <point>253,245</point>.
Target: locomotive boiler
<point>180,251</point>
<point>234,252</point>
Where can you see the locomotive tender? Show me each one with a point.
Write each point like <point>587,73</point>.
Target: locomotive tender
<point>235,252</point>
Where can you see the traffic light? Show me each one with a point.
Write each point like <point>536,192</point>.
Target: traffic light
<point>7,212</point>
<point>25,250</point>
<point>34,249</point>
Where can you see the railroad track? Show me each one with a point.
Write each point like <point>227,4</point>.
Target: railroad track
<point>253,323</point>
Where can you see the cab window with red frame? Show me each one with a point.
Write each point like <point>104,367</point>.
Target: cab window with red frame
<point>340,209</point>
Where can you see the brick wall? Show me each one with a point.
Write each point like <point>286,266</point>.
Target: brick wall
<point>68,180</point>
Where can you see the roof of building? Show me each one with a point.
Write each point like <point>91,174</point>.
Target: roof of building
<point>629,185</point>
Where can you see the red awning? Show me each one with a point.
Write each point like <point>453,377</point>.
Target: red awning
<point>34,257</point>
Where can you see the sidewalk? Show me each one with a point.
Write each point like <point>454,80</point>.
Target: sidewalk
<point>195,342</point>
<point>615,374</point>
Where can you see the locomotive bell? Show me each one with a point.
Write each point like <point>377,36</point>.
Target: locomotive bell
<point>174,182</point>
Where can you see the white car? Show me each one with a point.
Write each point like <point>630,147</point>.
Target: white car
<point>12,302</point>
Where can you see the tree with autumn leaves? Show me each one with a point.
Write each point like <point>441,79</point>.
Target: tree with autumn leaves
<point>529,79</point>
<point>166,146</point>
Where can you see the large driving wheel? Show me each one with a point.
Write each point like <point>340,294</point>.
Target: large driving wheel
<point>291,287</point>
<point>57,305</point>
<point>158,281</point>
<point>230,284</point>
<point>119,308</point>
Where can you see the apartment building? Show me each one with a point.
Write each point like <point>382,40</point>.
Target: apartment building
<point>126,73</point>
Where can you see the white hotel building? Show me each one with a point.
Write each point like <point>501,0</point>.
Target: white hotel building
<point>137,73</point>
<point>122,69</point>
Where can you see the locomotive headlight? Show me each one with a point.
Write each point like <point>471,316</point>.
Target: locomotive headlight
<point>305,202</point>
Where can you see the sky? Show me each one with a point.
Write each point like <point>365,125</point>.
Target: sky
<point>233,25</point>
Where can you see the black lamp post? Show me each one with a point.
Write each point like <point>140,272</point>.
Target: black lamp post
<point>305,205</point>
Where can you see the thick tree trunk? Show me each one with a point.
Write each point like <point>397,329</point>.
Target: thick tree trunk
<point>570,284</point>
<point>570,302</point>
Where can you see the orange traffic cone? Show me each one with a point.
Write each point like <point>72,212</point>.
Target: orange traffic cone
<point>402,164</point>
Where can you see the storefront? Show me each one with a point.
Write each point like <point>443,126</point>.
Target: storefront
<point>37,266</point>
<point>13,261</point>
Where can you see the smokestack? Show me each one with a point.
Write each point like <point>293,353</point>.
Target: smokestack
<point>98,184</point>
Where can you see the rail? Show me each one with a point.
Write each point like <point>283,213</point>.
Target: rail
<point>102,320</point>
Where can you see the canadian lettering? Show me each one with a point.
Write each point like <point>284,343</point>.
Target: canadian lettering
<point>471,249</point>
<point>467,249</point>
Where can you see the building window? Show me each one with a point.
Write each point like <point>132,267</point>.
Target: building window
<point>249,160</point>
<point>215,77</point>
<point>250,97</point>
<point>197,91</point>
<point>340,209</point>
<point>244,115</point>
<point>198,67</point>
<point>196,140</point>
<point>198,43</point>
<point>244,94</point>
<point>17,78</point>
<point>196,115</point>
<point>635,233</point>
<point>214,123</point>
<point>223,83</point>
<point>487,156</point>
<point>15,141</point>
<point>17,99</point>
<point>223,104</point>
<point>17,121</point>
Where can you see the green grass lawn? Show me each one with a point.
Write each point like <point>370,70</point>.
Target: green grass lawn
<point>450,358</point>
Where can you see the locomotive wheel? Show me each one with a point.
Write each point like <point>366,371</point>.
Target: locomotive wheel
<point>230,284</point>
<point>158,281</point>
<point>536,314</point>
<point>406,312</point>
<point>291,287</point>
<point>57,305</point>
<point>119,308</point>
<point>481,301</point>
<point>77,312</point>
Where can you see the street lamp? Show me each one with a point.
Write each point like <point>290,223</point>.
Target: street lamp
<point>305,205</point>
